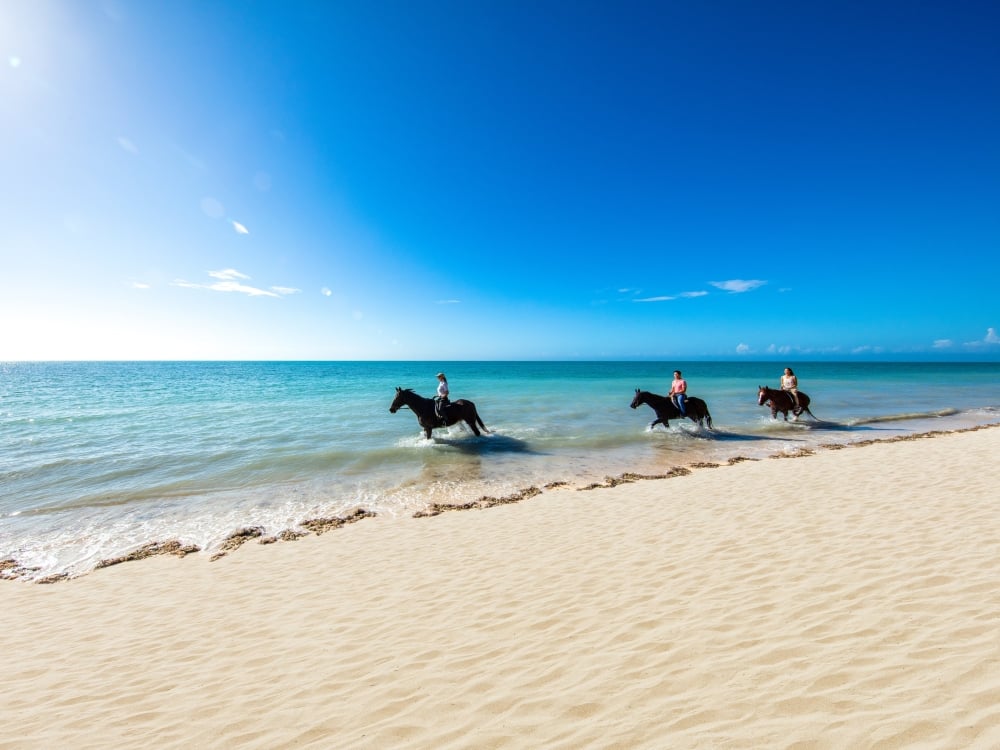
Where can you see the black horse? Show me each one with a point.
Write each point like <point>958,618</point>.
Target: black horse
<point>782,401</point>
<point>454,411</point>
<point>697,410</point>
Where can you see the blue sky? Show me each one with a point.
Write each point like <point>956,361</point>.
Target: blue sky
<point>499,180</point>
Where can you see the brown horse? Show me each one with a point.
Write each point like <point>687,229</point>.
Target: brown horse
<point>782,401</point>
<point>697,410</point>
<point>454,411</point>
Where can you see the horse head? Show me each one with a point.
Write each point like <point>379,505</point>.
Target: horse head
<point>763,395</point>
<point>638,400</point>
<point>399,401</point>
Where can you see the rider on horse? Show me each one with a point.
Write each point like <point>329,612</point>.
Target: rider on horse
<point>790,383</point>
<point>441,400</point>
<point>678,393</point>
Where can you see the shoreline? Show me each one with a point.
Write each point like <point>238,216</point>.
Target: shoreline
<point>848,600</point>
<point>12,570</point>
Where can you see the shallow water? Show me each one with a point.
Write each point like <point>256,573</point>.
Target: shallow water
<point>97,459</point>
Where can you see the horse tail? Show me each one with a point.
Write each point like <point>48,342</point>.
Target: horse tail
<point>708,418</point>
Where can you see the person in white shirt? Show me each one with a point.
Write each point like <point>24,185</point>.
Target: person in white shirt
<point>441,399</point>
<point>790,383</point>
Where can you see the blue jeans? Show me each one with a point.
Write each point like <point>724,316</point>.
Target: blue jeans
<point>679,399</point>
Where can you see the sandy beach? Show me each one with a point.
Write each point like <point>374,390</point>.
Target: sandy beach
<point>844,599</point>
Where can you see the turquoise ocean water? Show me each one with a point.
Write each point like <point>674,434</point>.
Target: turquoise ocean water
<point>97,459</point>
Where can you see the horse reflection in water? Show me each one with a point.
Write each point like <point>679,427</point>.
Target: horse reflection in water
<point>452,412</point>
<point>666,409</point>
<point>782,401</point>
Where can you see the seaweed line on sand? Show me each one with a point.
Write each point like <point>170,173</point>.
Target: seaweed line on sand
<point>626,478</point>
<point>795,454</point>
<point>173,547</point>
<point>321,525</point>
<point>482,503</point>
<point>318,526</point>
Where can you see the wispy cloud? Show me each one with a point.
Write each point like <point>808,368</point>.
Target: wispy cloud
<point>231,280</point>
<point>191,159</point>
<point>227,274</point>
<point>326,291</point>
<point>235,286</point>
<point>240,229</point>
<point>669,297</point>
<point>448,302</point>
<point>737,286</point>
<point>743,349</point>
<point>140,285</point>
<point>943,343</point>
<point>127,145</point>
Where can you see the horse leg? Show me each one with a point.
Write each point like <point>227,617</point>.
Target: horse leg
<point>472,426</point>
<point>479,422</point>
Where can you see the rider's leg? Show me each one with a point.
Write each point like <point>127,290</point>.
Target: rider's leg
<point>682,404</point>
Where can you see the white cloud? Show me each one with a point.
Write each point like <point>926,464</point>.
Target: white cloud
<point>990,338</point>
<point>448,302</point>
<point>230,280</point>
<point>326,292</point>
<point>235,286</point>
<point>140,285</point>
<point>240,229</point>
<point>227,274</point>
<point>691,295</point>
<point>743,349</point>
<point>654,299</point>
<point>943,343</point>
<point>737,286</point>
<point>14,61</point>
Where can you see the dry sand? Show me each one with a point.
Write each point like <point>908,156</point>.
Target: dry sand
<point>846,599</point>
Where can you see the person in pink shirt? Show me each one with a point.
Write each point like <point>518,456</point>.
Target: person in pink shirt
<point>678,392</point>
